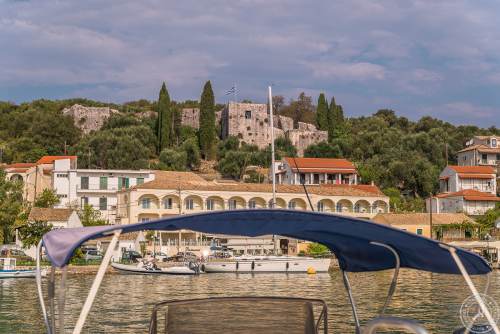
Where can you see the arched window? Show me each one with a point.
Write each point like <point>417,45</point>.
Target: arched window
<point>189,204</point>
<point>321,206</point>
<point>292,205</point>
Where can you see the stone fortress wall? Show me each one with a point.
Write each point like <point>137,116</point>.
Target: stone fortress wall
<point>250,123</point>
<point>89,118</point>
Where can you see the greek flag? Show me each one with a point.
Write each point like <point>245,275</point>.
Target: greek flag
<point>231,91</point>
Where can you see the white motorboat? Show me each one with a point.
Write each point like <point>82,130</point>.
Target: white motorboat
<point>142,269</point>
<point>8,269</point>
<point>255,264</point>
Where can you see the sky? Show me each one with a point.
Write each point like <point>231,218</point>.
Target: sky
<point>438,58</point>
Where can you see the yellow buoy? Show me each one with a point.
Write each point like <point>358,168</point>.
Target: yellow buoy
<point>311,271</point>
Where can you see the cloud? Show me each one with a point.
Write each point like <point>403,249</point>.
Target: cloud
<point>373,55</point>
<point>463,110</point>
<point>347,71</point>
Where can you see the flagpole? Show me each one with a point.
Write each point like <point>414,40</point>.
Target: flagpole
<point>272,144</point>
<point>235,96</point>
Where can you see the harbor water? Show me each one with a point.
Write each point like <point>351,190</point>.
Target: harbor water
<point>124,302</point>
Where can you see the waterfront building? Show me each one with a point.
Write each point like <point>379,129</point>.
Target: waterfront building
<point>315,171</point>
<point>176,193</point>
<point>467,189</point>
<point>96,187</point>
<point>58,218</point>
<point>482,151</point>
<point>445,226</point>
<point>457,178</point>
<point>37,176</point>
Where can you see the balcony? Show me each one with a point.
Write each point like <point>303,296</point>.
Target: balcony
<point>96,189</point>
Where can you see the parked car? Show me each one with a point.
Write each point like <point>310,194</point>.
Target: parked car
<point>18,254</point>
<point>92,254</point>
<point>131,256</point>
<point>183,256</point>
<point>160,256</point>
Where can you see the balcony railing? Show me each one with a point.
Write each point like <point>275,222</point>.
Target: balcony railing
<point>96,188</point>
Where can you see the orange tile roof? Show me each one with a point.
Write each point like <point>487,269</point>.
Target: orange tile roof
<point>20,165</point>
<point>320,163</point>
<point>473,169</point>
<point>471,195</point>
<point>191,181</point>
<point>421,218</point>
<point>48,159</point>
<point>49,214</point>
<point>323,170</point>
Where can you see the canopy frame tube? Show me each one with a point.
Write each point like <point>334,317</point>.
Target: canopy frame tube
<point>472,288</point>
<point>39,288</point>
<point>394,282</point>
<point>97,283</point>
<point>347,286</point>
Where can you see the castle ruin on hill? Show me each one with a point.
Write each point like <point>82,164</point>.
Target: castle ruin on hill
<point>250,123</point>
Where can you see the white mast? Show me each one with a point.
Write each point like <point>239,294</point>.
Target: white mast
<point>272,146</point>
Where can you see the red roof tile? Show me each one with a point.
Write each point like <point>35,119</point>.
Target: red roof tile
<point>471,195</point>
<point>320,163</point>
<point>48,159</point>
<point>20,165</point>
<point>473,169</point>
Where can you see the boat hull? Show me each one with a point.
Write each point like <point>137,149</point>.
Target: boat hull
<point>17,273</point>
<point>134,270</point>
<point>284,265</point>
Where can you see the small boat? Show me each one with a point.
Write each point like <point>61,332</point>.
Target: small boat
<point>8,269</point>
<point>268,264</point>
<point>147,269</point>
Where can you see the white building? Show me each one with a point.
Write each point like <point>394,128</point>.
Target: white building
<point>481,151</point>
<point>96,187</point>
<point>316,171</point>
<point>457,178</point>
<point>466,189</point>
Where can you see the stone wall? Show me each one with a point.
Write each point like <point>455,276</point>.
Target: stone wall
<point>249,122</point>
<point>89,118</point>
<point>191,117</point>
<point>302,139</point>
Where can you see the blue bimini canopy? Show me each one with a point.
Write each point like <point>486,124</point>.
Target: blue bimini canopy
<point>348,238</point>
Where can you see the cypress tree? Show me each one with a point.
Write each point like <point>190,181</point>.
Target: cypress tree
<point>164,120</point>
<point>322,113</point>
<point>207,122</point>
<point>331,119</point>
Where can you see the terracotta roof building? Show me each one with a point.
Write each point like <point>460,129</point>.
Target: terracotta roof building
<point>468,189</point>
<point>481,151</point>
<point>420,223</point>
<point>185,192</point>
<point>59,218</point>
<point>316,171</point>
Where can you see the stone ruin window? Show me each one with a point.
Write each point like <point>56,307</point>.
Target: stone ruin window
<point>248,114</point>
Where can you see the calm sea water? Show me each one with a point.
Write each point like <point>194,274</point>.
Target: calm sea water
<point>124,302</point>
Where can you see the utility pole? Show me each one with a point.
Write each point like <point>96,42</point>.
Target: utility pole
<point>446,153</point>
<point>430,217</point>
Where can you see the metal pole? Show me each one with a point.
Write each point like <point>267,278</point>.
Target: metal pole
<point>97,282</point>
<point>273,172</point>
<point>351,300</point>
<point>39,288</point>
<point>430,222</point>
<point>472,288</point>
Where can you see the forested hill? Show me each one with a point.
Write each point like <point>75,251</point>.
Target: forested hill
<point>392,151</point>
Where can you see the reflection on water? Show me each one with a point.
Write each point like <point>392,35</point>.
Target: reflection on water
<point>124,303</point>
